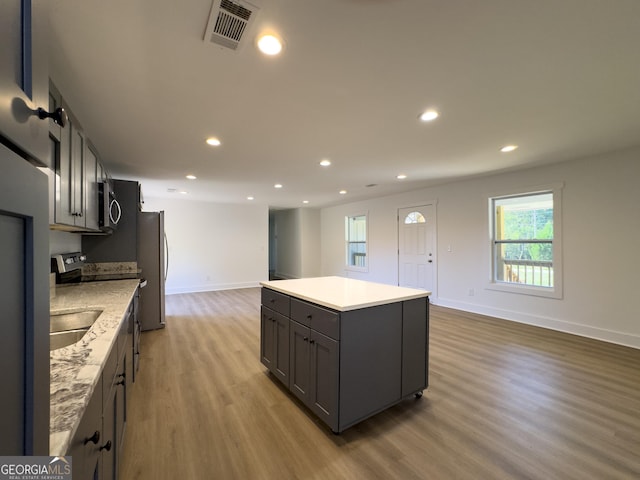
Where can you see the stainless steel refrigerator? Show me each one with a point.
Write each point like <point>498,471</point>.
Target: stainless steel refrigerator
<point>152,259</point>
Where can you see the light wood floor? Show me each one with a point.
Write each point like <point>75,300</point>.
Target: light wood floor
<point>506,401</point>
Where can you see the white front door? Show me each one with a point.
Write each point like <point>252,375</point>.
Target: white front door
<point>416,247</point>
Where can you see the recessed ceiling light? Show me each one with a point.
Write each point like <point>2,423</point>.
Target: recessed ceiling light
<point>191,177</point>
<point>342,192</point>
<point>305,201</point>
<point>277,185</point>
<point>402,176</point>
<point>213,141</point>
<point>325,163</point>
<point>508,148</point>
<point>270,44</point>
<point>249,198</point>
<point>183,192</point>
<point>428,115</point>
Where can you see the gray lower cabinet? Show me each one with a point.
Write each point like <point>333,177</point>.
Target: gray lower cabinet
<point>96,448</point>
<point>275,347</point>
<point>314,371</point>
<point>86,444</point>
<point>346,365</point>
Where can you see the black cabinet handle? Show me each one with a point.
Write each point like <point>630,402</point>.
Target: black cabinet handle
<point>306,339</point>
<point>58,115</point>
<point>311,342</point>
<point>121,382</point>
<point>106,446</point>
<point>309,317</point>
<point>95,438</point>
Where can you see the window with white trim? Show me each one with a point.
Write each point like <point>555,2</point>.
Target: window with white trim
<point>525,244</point>
<point>356,241</point>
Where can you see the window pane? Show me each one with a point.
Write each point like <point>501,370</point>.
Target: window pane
<point>414,217</point>
<point>523,239</point>
<point>515,264</point>
<point>525,217</point>
<point>356,230</point>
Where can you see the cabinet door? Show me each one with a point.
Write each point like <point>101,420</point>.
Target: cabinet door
<point>299,362</point>
<point>121,398</point>
<point>24,75</point>
<point>109,426</point>
<point>24,324</point>
<point>323,386</point>
<point>281,349</point>
<point>77,175</point>
<point>267,336</point>
<point>274,344</point>
<point>64,178</point>
<point>70,176</point>
<point>85,445</point>
<point>91,189</point>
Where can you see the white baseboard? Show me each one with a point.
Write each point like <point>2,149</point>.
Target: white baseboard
<point>285,276</point>
<point>210,288</point>
<point>611,336</point>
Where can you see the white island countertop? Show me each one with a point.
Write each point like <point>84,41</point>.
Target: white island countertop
<point>344,294</point>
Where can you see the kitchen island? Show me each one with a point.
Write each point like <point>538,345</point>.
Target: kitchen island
<point>346,348</point>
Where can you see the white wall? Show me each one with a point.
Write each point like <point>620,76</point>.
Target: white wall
<point>601,242</point>
<point>213,246</point>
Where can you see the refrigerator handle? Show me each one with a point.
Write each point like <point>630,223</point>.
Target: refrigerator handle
<point>166,256</point>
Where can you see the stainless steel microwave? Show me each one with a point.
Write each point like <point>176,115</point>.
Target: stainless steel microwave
<point>110,211</point>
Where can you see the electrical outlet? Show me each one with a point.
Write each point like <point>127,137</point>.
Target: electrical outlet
<point>472,292</point>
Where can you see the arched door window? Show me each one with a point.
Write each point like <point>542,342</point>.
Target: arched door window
<point>414,217</point>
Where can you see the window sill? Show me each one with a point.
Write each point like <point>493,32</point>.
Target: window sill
<point>351,268</point>
<point>545,292</point>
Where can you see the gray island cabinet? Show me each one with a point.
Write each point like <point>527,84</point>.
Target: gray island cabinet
<point>346,348</point>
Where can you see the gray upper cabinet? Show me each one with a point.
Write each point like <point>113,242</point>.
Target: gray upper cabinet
<point>24,77</point>
<point>91,188</point>
<point>69,176</point>
<point>77,172</point>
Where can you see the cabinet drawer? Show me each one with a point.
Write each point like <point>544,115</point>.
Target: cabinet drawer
<point>319,319</point>
<point>278,302</point>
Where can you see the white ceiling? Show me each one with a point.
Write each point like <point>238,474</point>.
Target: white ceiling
<point>560,78</point>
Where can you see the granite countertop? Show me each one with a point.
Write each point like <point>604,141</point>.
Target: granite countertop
<point>344,294</point>
<point>76,369</point>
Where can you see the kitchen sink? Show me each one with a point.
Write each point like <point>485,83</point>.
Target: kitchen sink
<point>68,328</point>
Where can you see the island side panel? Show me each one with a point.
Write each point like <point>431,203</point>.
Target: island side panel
<point>370,361</point>
<point>415,345</point>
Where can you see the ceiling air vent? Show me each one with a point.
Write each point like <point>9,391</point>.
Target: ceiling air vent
<point>229,22</point>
